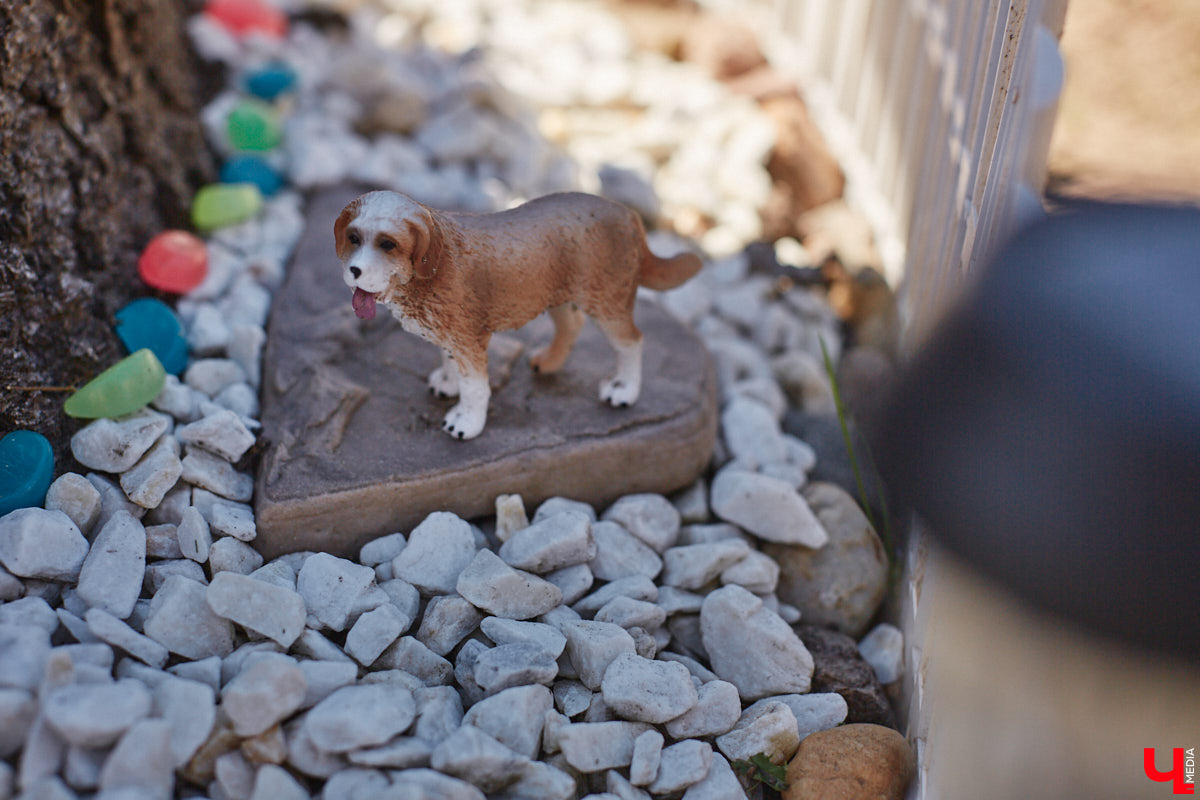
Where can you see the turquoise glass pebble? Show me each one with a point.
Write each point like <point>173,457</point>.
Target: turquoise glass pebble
<point>252,169</point>
<point>271,81</point>
<point>220,204</point>
<point>253,125</point>
<point>121,389</point>
<point>151,323</point>
<point>26,469</point>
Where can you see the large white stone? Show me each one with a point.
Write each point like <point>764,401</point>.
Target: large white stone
<point>272,611</point>
<point>757,573</point>
<point>510,631</point>
<point>190,708</point>
<point>692,566</point>
<point>410,655</point>
<point>768,507</point>
<point>374,631</point>
<point>439,713</point>
<point>72,494</point>
<point>777,663</point>
<point>437,551</point>
<point>107,628</point>
<point>597,746</point>
<point>814,712</point>
<point>330,586</point>
<point>768,727</point>
<point>141,762</point>
<point>182,621</point>
<point>96,714</point>
<point>721,783</point>
<point>751,432</point>
<point>228,554</point>
<point>649,517</point>
<point>112,573</point>
<point>155,474</point>
<point>647,691</point>
<point>36,543</point>
<point>562,540</point>
<point>513,717</point>
<point>263,694</point>
<point>115,445</point>
<point>490,584</point>
<point>718,708</point>
<point>518,664</point>
<point>639,587</point>
<point>470,754</point>
<point>360,716</point>
<point>681,765</point>
<point>383,549</point>
<point>620,554</point>
<point>592,646</point>
<point>222,433</point>
<point>448,619</point>
<point>647,751</point>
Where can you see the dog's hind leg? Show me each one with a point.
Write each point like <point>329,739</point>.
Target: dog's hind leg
<point>443,381</point>
<point>623,388</point>
<point>467,418</point>
<point>568,322</point>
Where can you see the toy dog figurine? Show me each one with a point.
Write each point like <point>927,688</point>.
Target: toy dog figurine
<point>454,279</point>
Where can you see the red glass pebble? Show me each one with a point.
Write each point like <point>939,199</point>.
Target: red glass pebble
<point>174,261</point>
<point>241,17</point>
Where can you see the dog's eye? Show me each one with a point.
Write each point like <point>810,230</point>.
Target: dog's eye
<point>387,246</point>
<point>354,239</point>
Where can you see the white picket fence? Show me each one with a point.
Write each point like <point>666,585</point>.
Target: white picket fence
<point>940,112</point>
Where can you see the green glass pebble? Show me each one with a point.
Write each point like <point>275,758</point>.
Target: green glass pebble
<point>221,204</point>
<point>26,469</point>
<point>151,323</point>
<point>121,389</point>
<point>253,125</point>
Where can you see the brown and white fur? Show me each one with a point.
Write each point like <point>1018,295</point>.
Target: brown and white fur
<point>453,279</point>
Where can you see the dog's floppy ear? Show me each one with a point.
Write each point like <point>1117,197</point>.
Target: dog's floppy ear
<point>429,244</point>
<point>343,222</point>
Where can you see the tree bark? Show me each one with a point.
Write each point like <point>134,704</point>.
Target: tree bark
<point>100,149</point>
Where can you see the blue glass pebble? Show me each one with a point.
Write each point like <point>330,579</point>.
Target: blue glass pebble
<point>252,169</point>
<point>26,469</point>
<point>152,324</point>
<point>271,81</point>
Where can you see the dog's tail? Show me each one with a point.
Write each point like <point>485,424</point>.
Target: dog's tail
<point>661,274</point>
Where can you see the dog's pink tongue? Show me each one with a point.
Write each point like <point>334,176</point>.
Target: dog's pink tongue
<point>364,304</point>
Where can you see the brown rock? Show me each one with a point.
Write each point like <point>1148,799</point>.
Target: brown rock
<point>726,47</point>
<point>805,174</point>
<point>852,762</point>
<point>839,667</point>
<point>356,446</point>
<point>843,583</point>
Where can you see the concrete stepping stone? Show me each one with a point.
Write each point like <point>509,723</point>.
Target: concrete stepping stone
<point>358,452</point>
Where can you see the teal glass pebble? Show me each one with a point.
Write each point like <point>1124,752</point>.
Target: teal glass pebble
<point>271,81</point>
<point>220,204</point>
<point>253,125</point>
<point>252,169</point>
<point>26,469</point>
<point>151,323</point>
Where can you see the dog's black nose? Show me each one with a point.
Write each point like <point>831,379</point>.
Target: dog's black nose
<point>355,272</point>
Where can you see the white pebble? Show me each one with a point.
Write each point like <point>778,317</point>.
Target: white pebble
<point>490,584</point>
<point>777,664</point>
<point>36,543</point>
<point>181,621</point>
<point>438,550</point>
<point>330,586</point>
<point>115,445</point>
<point>767,727</point>
<point>272,611</point>
<point>681,765</point>
<point>374,632</point>
<point>360,716</point>
<point>718,707</point>
<point>883,649</point>
<point>649,517</point>
<point>514,717</point>
<point>74,496</point>
<point>231,555</point>
<point>769,508</point>
<point>263,694</point>
<point>222,434</point>
<point>108,628</point>
<point>111,576</point>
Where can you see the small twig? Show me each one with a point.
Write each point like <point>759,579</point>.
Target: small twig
<point>12,388</point>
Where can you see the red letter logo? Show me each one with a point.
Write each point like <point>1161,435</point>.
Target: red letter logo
<point>1178,785</point>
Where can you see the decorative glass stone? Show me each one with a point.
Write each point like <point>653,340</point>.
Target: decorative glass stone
<point>252,169</point>
<point>221,204</point>
<point>151,323</point>
<point>26,469</point>
<point>242,17</point>
<point>174,261</point>
<point>121,389</point>
<point>271,81</point>
<point>253,125</point>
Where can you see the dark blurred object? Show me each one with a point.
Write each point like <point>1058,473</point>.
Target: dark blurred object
<point>1049,431</point>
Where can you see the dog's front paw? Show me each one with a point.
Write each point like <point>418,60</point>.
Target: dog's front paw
<point>619,393</point>
<point>443,383</point>
<point>463,422</point>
